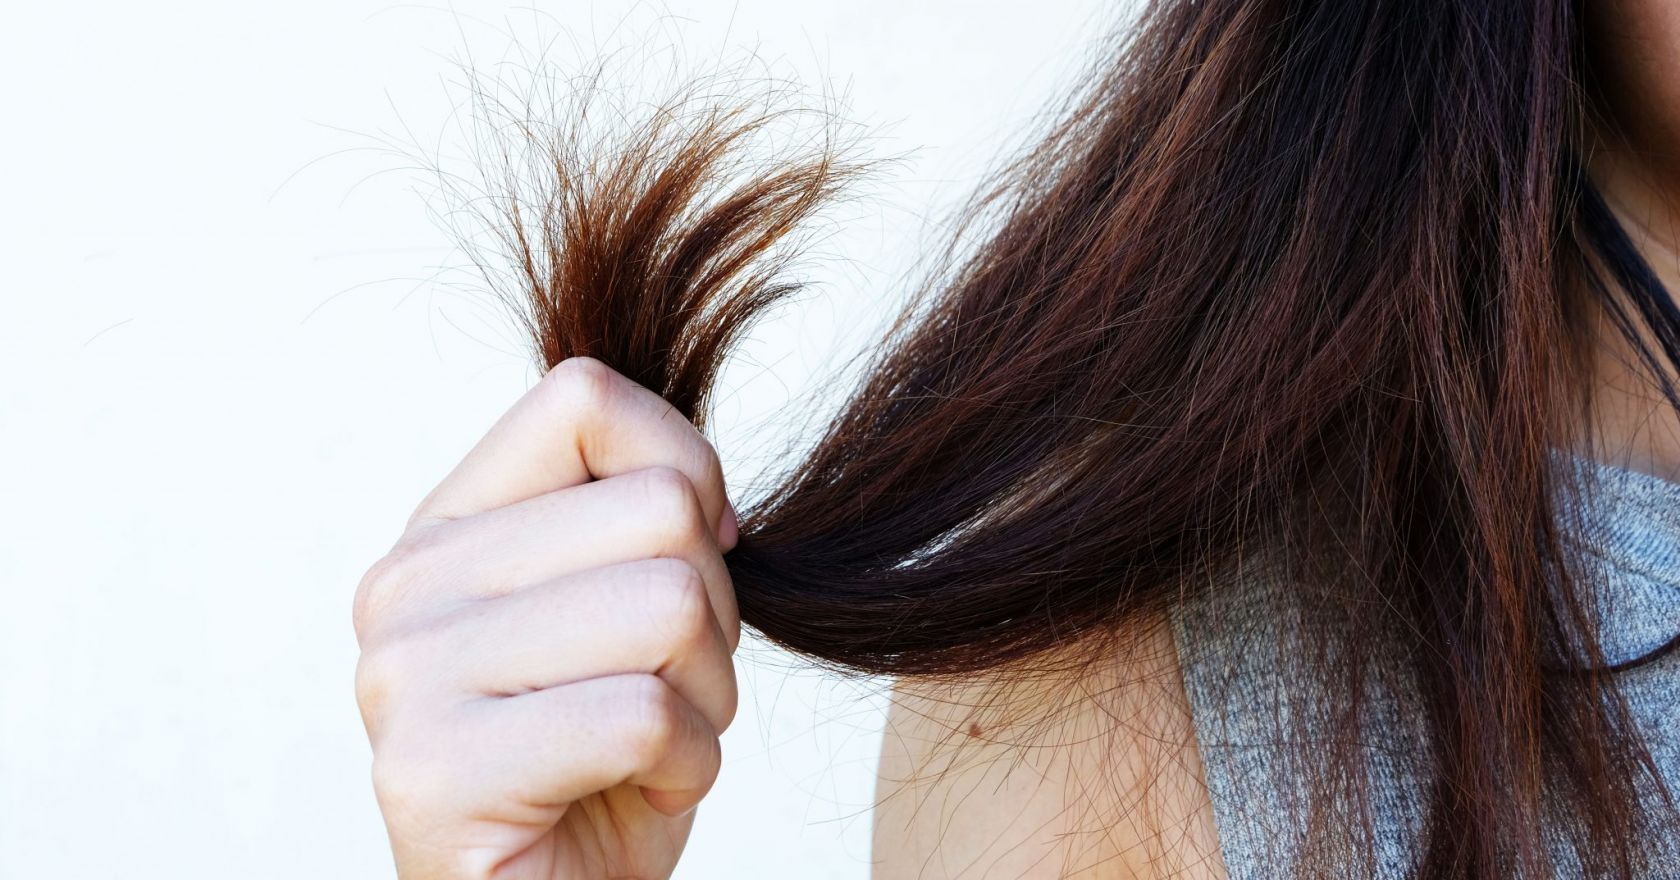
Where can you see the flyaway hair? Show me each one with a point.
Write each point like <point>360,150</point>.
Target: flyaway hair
<point>1306,276</point>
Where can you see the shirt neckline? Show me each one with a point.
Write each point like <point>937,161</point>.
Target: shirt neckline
<point>1626,525</point>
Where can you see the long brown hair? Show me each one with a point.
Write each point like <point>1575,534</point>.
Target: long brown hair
<point>1306,275</point>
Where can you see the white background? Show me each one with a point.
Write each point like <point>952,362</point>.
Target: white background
<point>236,350</point>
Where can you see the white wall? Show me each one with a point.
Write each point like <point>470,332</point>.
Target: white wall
<point>233,357</point>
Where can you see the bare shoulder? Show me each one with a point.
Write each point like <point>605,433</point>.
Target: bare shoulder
<point>1081,768</point>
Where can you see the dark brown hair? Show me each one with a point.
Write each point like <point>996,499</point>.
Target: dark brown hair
<point>1305,275</point>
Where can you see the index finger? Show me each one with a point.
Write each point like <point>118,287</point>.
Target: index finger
<point>583,421</point>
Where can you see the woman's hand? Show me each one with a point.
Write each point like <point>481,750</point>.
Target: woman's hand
<point>546,651</point>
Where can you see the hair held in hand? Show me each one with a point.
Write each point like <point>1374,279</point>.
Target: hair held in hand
<point>1309,277</point>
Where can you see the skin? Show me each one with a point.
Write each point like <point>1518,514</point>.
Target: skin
<point>546,652</point>
<point>1635,159</point>
<point>591,517</point>
<point>1082,773</point>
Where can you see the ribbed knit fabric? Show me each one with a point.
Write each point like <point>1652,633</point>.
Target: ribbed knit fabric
<point>1241,655</point>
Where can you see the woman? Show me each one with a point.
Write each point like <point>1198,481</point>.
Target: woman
<point>1283,486</point>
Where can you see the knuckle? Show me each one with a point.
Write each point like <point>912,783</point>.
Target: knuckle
<point>383,581</point>
<point>672,506</point>
<point>379,671</point>
<point>668,490</point>
<point>403,664</point>
<point>707,462</point>
<point>730,704</point>
<point>370,683</point>
<point>373,591</point>
<point>655,717</point>
<point>407,779</point>
<point>714,760</point>
<point>582,383</point>
<point>393,576</point>
<point>680,606</point>
<point>711,762</point>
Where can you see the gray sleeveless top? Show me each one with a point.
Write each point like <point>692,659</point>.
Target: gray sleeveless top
<point>1239,653</point>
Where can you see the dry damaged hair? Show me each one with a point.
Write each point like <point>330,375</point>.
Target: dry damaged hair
<point>1308,275</point>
